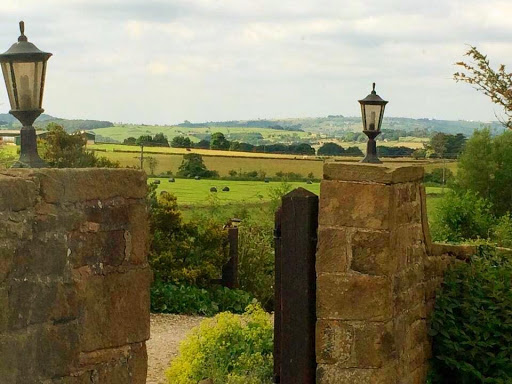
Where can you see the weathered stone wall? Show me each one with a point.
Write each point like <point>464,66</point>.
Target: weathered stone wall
<point>376,275</point>
<point>74,278</point>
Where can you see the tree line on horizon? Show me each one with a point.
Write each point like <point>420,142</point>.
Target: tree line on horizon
<point>441,145</point>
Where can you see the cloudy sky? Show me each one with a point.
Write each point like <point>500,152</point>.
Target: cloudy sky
<point>164,61</point>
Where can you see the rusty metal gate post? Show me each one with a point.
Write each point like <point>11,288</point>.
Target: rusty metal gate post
<point>295,317</point>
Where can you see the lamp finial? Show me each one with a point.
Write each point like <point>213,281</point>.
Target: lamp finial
<point>373,90</point>
<point>22,30</point>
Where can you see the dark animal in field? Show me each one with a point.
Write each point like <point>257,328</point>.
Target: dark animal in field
<point>225,189</point>
<point>171,180</point>
<point>213,189</point>
<point>156,182</point>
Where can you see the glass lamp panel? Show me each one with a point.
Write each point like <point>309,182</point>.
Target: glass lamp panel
<point>6,70</point>
<point>28,78</point>
<point>372,115</point>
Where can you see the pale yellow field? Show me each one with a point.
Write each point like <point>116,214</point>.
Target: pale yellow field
<point>169,159</point>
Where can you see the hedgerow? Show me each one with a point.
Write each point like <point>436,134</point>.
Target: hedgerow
<point>472,322</point>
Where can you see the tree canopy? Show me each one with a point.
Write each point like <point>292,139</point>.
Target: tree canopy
<point>62,150</point>
<point>181,142</point>
<point>193,165</point>
<point>485,167</point>
<point>219,141</point>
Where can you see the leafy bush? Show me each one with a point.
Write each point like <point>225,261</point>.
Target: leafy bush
<point>256,262</point>
<point>462,215</point>
<point>191,300</point>
<point>485,167</point>
<point>436,176</point>
<point>193,165</point>
<point>228,349</point>
<point>63,150</point>
<point>503,231</point>
<point>472,323</point>
<point>184,253</point>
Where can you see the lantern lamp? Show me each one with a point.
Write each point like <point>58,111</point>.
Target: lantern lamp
<point>372,111</point>
<point>24,69</point>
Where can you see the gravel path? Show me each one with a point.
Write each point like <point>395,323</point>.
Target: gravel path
<point>167,331</point>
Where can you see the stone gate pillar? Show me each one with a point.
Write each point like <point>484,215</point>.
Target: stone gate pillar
<point>74,276</point>
<point>371,311</point>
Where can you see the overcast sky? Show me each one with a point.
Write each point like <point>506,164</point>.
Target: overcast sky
<point>202,60</point>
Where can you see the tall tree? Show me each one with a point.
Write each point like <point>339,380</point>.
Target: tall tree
<point>497,84</point>
<point>219,141</point>
<point>485,167</point>
<point>62,150</point>
<point>330,149</point>
<point>193,165</point>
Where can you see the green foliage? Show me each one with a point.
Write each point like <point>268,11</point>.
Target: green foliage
<point>184,253</point>
<point>7,157</point>
<point>276,194</point>
<point>503,231</point>
<point>419,153</point>
<point>330,149</point>
<point>130,141</point>
<point>472,323</point>
<point>192,300</point>
<point>436,176</point>
<point>218,141</point>
<point>353,151</point>
<point>256,261</point>
<point>181,142</point>
<point>193,165</point>
<point>63,150</point>
<point>159,140</point>
<point>485,167</point>
<point>494,83</point>
<point>445,146</point>
<point>202,144</point>
<point>394,151</point>
<point>228,349</point>
<point>462,215</point>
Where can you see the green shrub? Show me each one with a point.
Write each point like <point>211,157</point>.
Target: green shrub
<point>503,231</point>
<point>472,323</point>
<point>462,215</point>
<point>191,300</point>
<point>229,349</point>
<point>256,262</point>
<point>436,176</point>
<point>184,253</point>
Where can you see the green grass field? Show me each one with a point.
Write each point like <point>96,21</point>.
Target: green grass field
<point>197,192</point>
<point>122,131</point>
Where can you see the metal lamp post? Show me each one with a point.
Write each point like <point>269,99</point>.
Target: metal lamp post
<point>24,70</point>
<point>372,111</point>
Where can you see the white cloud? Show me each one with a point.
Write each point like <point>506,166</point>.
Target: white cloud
<point>171,60</point>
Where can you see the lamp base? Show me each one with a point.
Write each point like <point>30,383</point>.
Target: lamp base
<point>371,148</point>
<point>29,158</point>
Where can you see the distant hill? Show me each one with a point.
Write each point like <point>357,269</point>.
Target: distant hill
<point>9,121</point>
<point>330,126</point>
<point>336,123</point>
